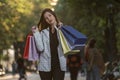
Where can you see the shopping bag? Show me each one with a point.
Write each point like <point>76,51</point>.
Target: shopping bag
<point>66,48</point>
<point>33,52</point>
<point>76,46</point>
<point>75,39</point>
<point>63,41</point>
<point>26,48</point>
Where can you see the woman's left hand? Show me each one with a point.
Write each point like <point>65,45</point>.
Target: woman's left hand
<point>60,24</point>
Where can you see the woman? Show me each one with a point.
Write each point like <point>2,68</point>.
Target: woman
<point>52,62</point>
<point>95,63</point>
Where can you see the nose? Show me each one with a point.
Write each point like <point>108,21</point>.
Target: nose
<point>47,17</point>
<point>49,20</point>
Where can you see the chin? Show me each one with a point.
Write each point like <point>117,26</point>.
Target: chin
<point>51,23</point>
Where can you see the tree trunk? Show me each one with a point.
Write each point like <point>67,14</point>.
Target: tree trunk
<point>110,38</point>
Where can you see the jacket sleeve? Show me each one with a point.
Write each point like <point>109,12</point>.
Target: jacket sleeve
<point>39,41</point>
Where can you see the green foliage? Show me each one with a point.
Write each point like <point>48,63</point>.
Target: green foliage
<point>117,22</point>
<point>90,17</point>
<point>16,19</point>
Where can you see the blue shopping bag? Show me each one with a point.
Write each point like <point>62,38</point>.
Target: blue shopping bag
<point>65,45</point>
<point>76,39</point>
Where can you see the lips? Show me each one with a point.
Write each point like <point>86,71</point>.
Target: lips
<point>51,21</point>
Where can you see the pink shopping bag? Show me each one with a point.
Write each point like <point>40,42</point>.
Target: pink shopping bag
<point>33,52</point>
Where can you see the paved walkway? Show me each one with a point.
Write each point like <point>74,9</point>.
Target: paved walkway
<point>34,76</point>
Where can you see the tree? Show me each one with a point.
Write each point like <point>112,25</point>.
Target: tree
<point>16,19</point>
<point>89,17</point>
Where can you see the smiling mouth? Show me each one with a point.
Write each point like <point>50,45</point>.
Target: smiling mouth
<point>50,21</point>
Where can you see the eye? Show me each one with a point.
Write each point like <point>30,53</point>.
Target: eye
<point>49,15</point>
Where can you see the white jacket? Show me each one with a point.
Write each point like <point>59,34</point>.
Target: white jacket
<point>43,45</point>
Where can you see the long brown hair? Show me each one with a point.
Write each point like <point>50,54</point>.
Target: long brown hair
<point>42,24</point>
<point>91,43</point>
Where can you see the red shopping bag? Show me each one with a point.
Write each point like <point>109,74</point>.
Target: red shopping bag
<point>26,48</point>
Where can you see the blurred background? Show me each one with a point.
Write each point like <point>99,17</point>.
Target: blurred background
<point>94,18</point>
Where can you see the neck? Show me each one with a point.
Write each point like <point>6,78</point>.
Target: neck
<point>52,29</point>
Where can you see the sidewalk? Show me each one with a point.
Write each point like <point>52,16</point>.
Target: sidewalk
<point>67,76</point>
<point>35,76</point>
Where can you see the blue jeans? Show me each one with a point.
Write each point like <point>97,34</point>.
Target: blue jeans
<point>93,74</point>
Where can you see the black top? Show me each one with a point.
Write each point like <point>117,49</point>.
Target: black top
<point>54,49</point>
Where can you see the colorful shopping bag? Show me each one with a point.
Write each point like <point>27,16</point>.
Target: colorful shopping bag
<point>75,39</point>
<point>26,48</point>
<point>66,48</point>
<point>63,41</point>
<point>33,52</point>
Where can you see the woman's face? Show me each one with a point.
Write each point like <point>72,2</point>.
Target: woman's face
<point>49,18</point>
